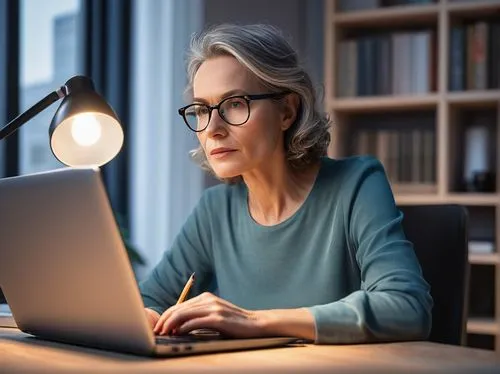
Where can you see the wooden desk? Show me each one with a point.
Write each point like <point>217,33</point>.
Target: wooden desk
<point>20,353</point>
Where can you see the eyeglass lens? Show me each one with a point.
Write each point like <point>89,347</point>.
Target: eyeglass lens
<point>233,110</point>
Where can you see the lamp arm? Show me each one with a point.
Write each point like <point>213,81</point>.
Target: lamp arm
<point>31,112</point>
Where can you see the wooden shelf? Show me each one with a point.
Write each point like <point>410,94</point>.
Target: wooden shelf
<point>479,199</point>
<point>404,199</point>
<point>425,189</point>
<point>472,8</point>
<point>484,258</point>
<point>486,326</point>
<point>439,110</point>
<point>470,199</point>
<point>382,103</point>
<point>395,16</point>
<point>489,98</point>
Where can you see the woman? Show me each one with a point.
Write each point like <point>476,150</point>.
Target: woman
<point>295,243</point>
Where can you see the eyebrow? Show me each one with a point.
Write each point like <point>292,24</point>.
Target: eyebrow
<point>223,96</point>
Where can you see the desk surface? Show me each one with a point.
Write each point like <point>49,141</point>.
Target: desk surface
<point>24,354</point>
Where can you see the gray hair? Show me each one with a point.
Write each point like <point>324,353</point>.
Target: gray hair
<point>265,52</point>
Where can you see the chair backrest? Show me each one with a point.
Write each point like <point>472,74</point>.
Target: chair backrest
<point>440,237</point>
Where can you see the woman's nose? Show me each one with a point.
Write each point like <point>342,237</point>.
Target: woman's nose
<point>216,125</point>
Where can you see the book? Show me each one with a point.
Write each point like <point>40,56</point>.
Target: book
<point>458,59</point>
<point>480,55</point>
<point>420,47</point>
<point>494,55</point>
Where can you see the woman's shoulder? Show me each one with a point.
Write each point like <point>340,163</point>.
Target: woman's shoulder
<point>352,167</point>
<point>342,178</point>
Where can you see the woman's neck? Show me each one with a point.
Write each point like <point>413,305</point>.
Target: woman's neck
<point>276,192</point>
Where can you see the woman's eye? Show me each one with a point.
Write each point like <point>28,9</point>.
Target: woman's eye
<point>201,111</point>
<point>236,103</point>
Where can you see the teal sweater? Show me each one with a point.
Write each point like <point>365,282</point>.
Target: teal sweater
<point>343,255</point>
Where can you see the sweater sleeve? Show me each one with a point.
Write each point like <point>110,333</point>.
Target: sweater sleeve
<point>394,301</point>
<point>189,253</point>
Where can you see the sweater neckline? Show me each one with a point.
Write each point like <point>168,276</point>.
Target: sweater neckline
<point>294,216</point>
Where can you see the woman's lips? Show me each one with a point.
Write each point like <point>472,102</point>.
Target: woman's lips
<point>221,152</point>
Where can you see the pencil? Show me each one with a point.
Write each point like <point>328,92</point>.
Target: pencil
<point>186,289</point>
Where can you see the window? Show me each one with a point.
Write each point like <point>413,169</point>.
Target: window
<point>49,57</point>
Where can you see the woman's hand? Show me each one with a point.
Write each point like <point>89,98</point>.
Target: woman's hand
<point>152,317</point>
<point>212,312</point>
<point>209,311</point>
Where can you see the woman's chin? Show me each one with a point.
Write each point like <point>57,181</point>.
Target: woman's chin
<point>226,173</point>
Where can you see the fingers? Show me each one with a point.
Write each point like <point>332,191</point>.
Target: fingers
<point>180,317</point>
<point>208,311</point>
<point>207,322</point>
<point>166,315</point>
<point>189,304</point>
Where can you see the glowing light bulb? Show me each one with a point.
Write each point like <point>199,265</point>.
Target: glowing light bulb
<point>86,130</point>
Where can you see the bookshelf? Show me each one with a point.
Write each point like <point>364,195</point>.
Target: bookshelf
<point>399,75</point>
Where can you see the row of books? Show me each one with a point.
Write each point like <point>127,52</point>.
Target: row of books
<point>475,56</point>
<point>408,155</point>
<point>397,63</point>
<point>355,5</point>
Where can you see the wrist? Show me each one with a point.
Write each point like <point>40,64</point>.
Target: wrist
<point>298,323</point>
<point>266,322</point>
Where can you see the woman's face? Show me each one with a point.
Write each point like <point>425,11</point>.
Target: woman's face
<point>236,150</point>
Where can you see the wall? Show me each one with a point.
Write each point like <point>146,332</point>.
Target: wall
<point>301,21</point>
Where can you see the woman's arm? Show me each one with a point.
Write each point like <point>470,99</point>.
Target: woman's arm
<point>288,322</point>
<point>394,302</point>
<point>189,253</point>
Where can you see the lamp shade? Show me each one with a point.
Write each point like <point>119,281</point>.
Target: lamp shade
<point>85,129</point>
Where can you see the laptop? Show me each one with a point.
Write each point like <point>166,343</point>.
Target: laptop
<point>66,274</point>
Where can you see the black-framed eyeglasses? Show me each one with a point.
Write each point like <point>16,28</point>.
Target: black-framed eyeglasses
<point>234,110</point>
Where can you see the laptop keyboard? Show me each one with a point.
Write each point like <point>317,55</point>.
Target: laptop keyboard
<point>196,336</point>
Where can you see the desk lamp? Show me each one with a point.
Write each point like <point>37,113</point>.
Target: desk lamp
<point>84,131</point>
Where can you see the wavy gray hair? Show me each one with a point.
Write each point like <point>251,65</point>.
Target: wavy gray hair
<point>265,52</point>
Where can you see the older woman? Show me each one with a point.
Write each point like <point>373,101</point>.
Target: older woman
<point>296,244</point>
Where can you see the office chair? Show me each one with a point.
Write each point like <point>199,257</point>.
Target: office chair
<point>440,238</point>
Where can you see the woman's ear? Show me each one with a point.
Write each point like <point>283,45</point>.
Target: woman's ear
<point>291,104</point>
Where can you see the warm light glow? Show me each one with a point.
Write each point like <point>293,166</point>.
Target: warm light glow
<point>85,129</point>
